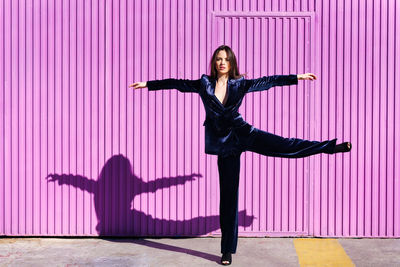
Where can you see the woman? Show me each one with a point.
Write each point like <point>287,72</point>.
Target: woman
<point>228,135</point>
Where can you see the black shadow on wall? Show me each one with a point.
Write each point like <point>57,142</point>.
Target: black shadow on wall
<point>113,193</point>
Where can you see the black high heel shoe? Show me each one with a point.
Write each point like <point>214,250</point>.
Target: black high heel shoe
<point>226,259</point>
<point>343,147</point>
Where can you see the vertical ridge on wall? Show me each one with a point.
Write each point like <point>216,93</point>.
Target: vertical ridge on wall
<point>2,117</point>
<point>349,169</point>
<point>396,120</point>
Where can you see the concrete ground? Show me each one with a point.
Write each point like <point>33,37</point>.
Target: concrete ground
<point>198,252</point>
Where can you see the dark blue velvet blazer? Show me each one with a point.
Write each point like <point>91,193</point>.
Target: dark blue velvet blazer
<point>224,126</point>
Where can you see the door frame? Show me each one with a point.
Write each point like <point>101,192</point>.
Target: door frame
<point>212,18</point>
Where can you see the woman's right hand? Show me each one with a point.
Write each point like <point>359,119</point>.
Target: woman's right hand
<point>138,85</point>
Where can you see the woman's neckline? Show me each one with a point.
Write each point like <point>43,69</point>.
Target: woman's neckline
<point>227,92</point>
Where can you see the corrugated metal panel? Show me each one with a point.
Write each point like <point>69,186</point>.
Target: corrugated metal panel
<point>124,165</point>
<point>356,194</point>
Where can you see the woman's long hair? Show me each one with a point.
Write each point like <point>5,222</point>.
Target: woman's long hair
<point>233,71</point>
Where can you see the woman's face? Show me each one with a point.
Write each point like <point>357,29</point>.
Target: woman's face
<point>222,63</point>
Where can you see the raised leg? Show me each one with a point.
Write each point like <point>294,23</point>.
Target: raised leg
<point>269,144</point>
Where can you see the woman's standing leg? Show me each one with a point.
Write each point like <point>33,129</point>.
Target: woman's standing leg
<point>229,168</point>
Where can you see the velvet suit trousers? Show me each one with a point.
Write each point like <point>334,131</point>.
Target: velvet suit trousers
<point>266,144</point>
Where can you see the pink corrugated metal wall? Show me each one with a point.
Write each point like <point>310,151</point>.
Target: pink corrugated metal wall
<point>83,154</point>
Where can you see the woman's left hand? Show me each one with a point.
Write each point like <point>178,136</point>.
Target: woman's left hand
<point>307,76</point>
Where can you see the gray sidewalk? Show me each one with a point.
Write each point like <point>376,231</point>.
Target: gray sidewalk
<point>182,252</point>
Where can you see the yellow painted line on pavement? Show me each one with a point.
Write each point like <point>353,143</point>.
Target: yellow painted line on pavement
<point>321,252</point>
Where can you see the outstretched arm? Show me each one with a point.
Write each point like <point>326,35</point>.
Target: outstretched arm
<point>75,180</point>
<point>163,182</point>
<point>183,85</point>
<point>266,82</point>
